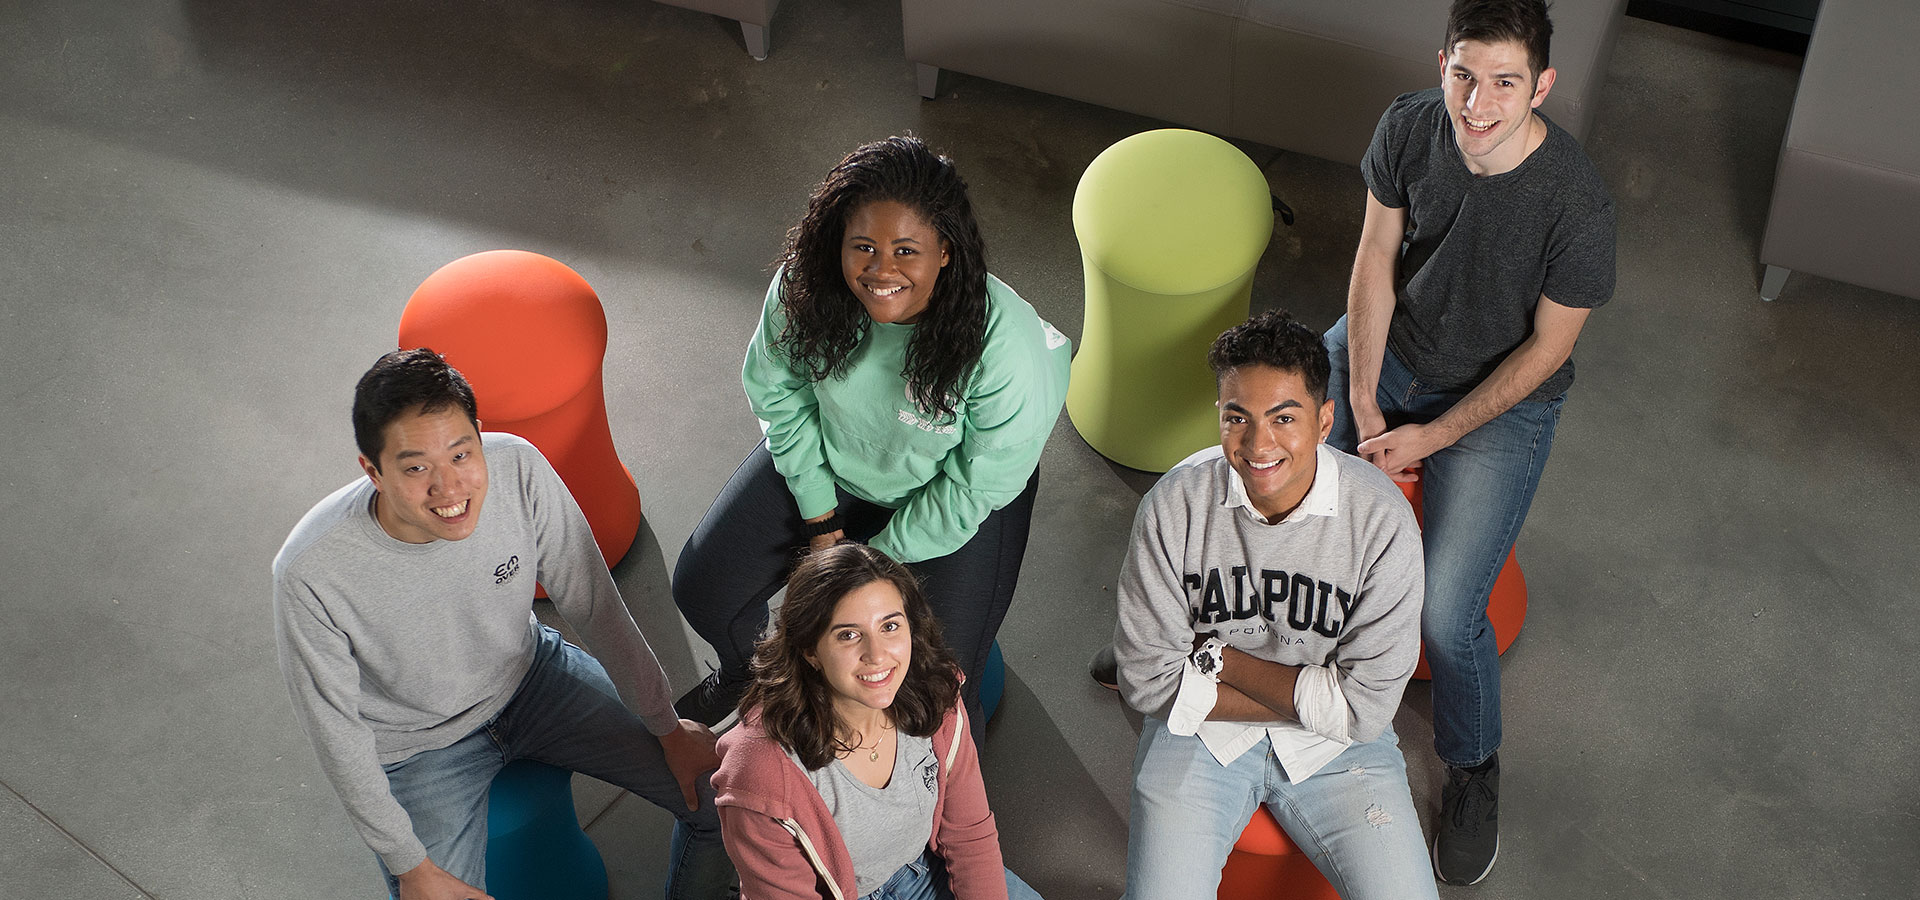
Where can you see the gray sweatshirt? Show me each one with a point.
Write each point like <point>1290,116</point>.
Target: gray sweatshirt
<point>391,649</point>
<point>1336,583</point>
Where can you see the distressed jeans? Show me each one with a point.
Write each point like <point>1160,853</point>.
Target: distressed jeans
<point>1476,494</point>
<point>566,713</point>
<point>1354,818</point>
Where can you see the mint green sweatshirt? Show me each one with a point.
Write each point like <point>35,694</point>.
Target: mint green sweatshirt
<point>864,434</point>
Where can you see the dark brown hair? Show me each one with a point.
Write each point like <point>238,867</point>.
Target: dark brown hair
<point>825,323</point>
<point>1524,22</point>
<point>792,698</point>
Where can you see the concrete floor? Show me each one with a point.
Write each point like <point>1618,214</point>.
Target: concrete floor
<point>214,211</point>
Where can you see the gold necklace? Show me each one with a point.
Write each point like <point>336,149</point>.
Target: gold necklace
<point>874,756</point>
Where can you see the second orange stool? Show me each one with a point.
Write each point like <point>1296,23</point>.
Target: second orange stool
<point>1506,605</point>
<point>1266,865</point>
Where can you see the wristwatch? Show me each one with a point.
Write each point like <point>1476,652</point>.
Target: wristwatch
<point>1211,658</point>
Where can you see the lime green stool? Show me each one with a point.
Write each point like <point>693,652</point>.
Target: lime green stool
<point>1171,224</point>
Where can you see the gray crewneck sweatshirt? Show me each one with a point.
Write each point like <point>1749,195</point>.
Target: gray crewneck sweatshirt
<point>391,649</point>
<point>1339,587</point>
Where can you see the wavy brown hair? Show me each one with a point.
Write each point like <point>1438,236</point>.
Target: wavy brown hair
<point>824,320</point>
<point>792,698</point>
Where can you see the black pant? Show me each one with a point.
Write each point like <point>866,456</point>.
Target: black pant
<point>750,538</point>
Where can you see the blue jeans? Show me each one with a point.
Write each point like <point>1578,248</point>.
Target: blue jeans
<point>565,713</point>
<point>1476,494</point>
<point>926,879</point>
<point>1354,818</point>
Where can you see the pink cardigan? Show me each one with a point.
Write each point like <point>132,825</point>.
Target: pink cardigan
<point>786,846</point>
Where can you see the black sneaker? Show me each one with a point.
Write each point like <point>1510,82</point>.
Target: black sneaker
<point>714,702</point>
<point>1105,669</point>
<point>1466,837</point>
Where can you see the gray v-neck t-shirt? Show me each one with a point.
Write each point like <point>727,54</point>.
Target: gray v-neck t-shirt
<point>884,828</point>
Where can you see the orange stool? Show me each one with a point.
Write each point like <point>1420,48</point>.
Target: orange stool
<point>1506,605</point>
<point>530,335</point>
<point>1266,865</point>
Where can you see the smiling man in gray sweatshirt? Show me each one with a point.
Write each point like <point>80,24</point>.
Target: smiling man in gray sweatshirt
<point>1269,617</point>
<point>403,609</point>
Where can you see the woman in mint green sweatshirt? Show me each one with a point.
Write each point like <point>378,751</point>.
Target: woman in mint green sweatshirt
<point>905,394</point>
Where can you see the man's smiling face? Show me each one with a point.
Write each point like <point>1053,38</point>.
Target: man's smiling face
<point>432,476</point>
<point>1491,92</point>
<point>1270,428</point>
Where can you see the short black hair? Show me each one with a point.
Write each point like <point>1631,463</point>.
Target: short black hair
<point>1273,338</point>
<point>1524,22</point>
<point>401,382</point>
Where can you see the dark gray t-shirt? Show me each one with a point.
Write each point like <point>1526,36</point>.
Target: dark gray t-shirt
<point>1481,250</point>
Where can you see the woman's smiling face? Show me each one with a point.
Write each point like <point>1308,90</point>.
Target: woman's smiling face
<point>864,653</point>
<point>891,257</point>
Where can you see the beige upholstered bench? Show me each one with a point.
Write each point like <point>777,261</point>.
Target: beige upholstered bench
<point>753,15</point>
<point>1849,177</point>
<point>1311,76</point>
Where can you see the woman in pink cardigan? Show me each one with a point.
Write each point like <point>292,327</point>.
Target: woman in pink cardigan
<point>852,773</point>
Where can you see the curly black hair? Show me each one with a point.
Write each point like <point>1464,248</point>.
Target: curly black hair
<point>795,702</point>
<point>400,382</point>
<point>824,320</point>
<point>1273,338</point>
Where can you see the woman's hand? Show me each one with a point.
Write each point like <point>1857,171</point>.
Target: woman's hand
<point>823,541</point>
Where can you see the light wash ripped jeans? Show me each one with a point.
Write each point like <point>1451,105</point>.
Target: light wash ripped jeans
<point>1354,818</point>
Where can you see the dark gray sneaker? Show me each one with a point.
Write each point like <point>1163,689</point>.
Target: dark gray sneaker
<point>714,702</point>
<point>1466,837</point>
<point>1105,669</point>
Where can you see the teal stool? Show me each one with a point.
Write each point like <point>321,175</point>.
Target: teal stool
<point>535,847</point>
<point>1171,225</point>
<point>993,681</point>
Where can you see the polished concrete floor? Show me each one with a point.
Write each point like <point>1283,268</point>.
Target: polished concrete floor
<point>214,211</point>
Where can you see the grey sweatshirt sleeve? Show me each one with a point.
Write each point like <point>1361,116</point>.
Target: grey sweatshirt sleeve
<point>1381,645</point>
<point>316,658</point>
<point>576,578</point>
<point>1152,636</point>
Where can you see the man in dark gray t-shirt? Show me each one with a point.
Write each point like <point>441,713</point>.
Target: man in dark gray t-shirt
<point>1488,239</point>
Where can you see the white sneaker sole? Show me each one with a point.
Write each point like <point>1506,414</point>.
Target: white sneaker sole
<point>1434,856</point>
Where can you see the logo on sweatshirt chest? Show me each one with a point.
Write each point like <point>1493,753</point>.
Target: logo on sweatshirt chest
<point>1300,601</point>
<point>912,417</point>
<point>505,571</point>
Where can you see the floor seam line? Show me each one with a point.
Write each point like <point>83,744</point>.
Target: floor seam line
<point>78,842</point>
<point>603,813</point>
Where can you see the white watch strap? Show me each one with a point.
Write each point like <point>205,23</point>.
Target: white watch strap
<point>1214,650</point>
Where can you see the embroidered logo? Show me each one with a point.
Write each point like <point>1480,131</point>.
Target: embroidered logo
<point>909,417</point>
<point>504,572</point>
